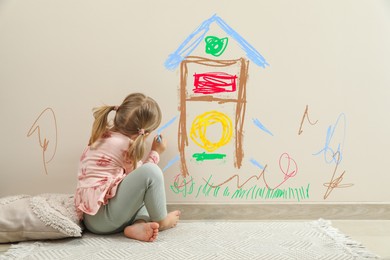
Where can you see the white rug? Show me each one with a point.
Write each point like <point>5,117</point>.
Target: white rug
<point>207,240</point>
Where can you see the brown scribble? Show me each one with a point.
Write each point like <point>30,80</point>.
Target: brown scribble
<point>335,182</point>
<point>240,113</point>
<point>305,115</point>
<point>208,98</point>
<point>240,102</point>
<point>238,179</point>
<point>44,144</point>
<point>182,137</point>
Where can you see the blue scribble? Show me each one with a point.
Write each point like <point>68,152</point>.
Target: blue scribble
<point>329,151</point>
<point>261,126</point>
<point>195,38</point>
<point>171,162</point>
<point>166,125</point>
<point>256,163</point>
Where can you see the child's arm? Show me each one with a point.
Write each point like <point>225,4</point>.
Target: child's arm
<point>158,147</point>
<point>159,144</point>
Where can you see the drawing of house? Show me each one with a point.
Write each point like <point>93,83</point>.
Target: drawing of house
<point>214,87</point>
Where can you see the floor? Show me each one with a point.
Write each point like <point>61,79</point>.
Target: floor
<point>373,234</point>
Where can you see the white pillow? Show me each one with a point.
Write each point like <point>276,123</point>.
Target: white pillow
<point>46,216</point>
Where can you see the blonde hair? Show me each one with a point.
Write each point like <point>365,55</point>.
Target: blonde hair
<point>136,116</point>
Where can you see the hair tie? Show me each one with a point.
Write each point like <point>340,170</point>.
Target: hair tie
<point>141,131</point>
<point>116,108</point>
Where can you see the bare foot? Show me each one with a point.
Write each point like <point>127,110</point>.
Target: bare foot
<point>142,231</point>
<point>170,220</point>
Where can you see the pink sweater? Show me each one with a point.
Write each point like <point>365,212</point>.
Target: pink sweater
<point>102,167</point>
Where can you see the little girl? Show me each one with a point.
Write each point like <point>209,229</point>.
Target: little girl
<point>116,191</point>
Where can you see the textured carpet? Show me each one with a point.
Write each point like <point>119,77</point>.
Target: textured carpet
<point>207,240</point>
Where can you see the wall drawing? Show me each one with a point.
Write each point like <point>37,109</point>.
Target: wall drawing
<point>212,105</point>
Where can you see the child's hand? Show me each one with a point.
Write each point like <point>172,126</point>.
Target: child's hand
<point>159,144</point>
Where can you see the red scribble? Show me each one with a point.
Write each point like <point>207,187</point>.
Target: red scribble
<point>290,171</point>
<point>45,143</point>
<point>214,82</point>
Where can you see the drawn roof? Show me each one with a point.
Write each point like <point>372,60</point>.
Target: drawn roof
<point>195,38</point>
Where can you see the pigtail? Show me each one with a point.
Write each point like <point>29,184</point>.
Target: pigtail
<point>137,149</point>
<point>100,125</point>
<point>136,117</point>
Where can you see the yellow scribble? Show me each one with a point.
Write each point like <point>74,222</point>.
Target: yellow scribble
<point>199,127</point>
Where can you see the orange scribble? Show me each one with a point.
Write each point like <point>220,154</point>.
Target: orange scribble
<point>257,177</point>
<point>44,143</point>
<point>305,115</point>
<point>335,182</point>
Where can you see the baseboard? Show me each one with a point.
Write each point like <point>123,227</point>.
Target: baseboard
<point>282,211</point>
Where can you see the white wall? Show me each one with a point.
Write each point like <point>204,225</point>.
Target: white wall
<point>332,56</point>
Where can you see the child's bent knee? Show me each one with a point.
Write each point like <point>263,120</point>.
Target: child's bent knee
<point>153,170</point>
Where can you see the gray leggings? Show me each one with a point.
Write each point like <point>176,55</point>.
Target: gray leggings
<point>141,195</point>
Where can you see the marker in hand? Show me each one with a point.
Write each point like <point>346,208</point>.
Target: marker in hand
<point>162,128</point>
